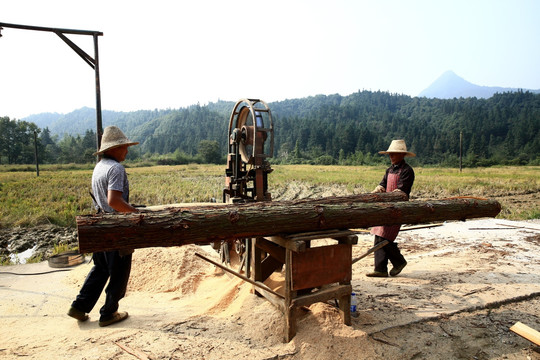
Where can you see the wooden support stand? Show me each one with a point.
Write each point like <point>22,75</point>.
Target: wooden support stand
<point>312,274</point>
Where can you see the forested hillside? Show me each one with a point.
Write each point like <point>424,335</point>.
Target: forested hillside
<point>504,129</point>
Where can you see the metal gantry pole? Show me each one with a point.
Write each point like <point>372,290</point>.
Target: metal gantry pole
<point>99,124</point>
<point>93,62</point>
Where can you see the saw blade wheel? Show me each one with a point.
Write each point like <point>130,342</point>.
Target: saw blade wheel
<point>251,126</point>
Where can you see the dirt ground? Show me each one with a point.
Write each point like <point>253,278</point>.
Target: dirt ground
<point>465,284</point>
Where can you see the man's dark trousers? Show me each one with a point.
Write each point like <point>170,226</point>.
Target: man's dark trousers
<point>388,252</point>
<point>107,265</point>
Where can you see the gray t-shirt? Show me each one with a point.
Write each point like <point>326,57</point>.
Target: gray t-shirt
<point>108,175</point>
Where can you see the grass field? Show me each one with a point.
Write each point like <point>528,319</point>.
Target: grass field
<point>61,193</point>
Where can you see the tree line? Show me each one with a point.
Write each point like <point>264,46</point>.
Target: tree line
<point>323,129</point>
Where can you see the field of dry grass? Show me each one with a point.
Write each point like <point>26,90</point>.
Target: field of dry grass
<point>59,194</point>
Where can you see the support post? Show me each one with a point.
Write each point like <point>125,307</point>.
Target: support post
<point>99,123</point>
<point>36,153</point>
<point>460,150</point>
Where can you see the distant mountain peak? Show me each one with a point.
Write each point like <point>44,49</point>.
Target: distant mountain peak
<point>450,77</point>
<point>449,85</point>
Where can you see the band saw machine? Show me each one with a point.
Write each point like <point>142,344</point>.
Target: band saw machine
<point>250,145</point>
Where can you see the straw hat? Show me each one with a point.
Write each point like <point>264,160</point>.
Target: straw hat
<point>398,146</point>
<point>112,138</point>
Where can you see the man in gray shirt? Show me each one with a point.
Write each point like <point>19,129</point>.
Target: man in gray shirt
<point>111,191</point>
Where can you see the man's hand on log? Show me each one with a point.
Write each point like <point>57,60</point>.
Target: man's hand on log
<point>379,189</point>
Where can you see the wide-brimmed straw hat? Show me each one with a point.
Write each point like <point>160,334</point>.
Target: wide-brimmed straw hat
<point>398,146</point>
<point>112,138</point>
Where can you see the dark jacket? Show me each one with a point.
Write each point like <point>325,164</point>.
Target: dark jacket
<point>406,177</point>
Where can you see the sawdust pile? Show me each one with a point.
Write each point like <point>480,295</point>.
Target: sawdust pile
<point>465,285</point>
<point>174,269</point>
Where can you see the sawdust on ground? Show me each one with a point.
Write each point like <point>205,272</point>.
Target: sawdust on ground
<point>466,283</point>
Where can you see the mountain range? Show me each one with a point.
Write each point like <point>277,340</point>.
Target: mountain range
<point>321,129</point>
<point>449,86</point>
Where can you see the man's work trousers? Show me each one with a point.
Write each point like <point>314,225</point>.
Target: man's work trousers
<point>107,266</point>
<point>388,252</point>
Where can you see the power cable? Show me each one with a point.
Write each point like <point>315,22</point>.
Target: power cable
<point>39,273</point>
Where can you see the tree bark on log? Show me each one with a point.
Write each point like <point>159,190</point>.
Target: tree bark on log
<point>180,225</point>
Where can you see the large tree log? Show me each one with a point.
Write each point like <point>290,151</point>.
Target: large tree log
<point>179,225</point>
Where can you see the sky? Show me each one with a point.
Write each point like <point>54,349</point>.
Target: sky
<point>163,54</point>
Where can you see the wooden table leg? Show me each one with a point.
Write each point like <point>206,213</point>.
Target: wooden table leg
<point>345,308</point>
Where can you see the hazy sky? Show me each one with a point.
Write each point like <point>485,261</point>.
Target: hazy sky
<point>175,53</point>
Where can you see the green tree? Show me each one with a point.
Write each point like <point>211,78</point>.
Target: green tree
<point>297,153</point>
<point>17,141</point>
<point>50,149</point>
<point>7,138</point>
<point>209,151</point>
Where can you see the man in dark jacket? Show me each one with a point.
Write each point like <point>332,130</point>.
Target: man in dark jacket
<point>398,177</point>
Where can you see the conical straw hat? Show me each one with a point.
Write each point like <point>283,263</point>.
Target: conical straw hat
<point>112,138</point>
<point>398,146</point>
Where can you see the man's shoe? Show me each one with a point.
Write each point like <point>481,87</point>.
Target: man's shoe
<point>377,274</point>
<point>77,314</point>
<point>116,317</point>
<point>397,269</point>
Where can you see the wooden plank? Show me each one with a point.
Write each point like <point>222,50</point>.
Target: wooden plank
<point>296,246</point>
<point>321,265</point>
<point>407,228</point>
<point>349,240</point>
<point>272,248</point>
<point>520,227</point>
<point>306,233</point>
<point>274,300</point>
<point>332,292</point>
<point>319,235</point>
<point>372,250</point>
<point>223,267</point>
<point>298,243</point>
<point>526,332</point>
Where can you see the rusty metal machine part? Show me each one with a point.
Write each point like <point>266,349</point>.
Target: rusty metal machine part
<point>251,143</point>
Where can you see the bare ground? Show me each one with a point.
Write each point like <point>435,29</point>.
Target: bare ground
<point>465,285</point>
